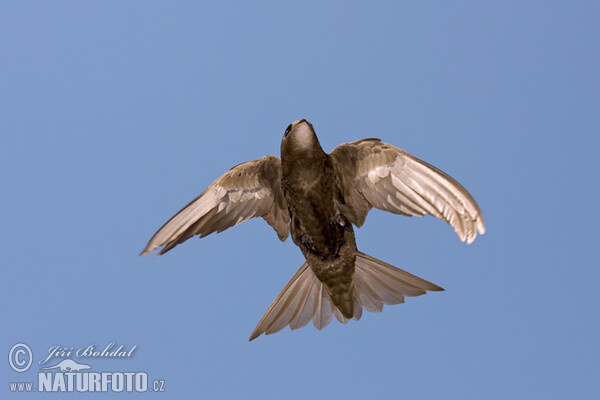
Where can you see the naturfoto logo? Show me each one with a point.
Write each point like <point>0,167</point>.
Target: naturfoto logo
<point>68,375</point>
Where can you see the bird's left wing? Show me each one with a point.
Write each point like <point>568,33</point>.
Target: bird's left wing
<point>377,174</point>
<point>251,189</point>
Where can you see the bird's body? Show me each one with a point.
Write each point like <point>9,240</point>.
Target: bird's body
<point>318,197</point>
<point>311,187</point>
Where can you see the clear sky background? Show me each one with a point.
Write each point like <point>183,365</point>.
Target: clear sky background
<point>114,115</point>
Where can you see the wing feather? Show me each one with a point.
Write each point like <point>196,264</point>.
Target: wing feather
<point>248,190</point>
<point>390,179</point>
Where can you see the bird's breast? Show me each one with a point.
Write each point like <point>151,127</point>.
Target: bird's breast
<point>311,193</point>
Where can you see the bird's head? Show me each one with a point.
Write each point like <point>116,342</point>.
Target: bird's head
<point>300,137</point>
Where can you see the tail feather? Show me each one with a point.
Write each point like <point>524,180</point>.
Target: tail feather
<point>305,298</point>
<point>377,283</point>
<point>323,308</point>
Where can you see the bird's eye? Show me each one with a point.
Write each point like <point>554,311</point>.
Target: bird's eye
<point>288,129</point>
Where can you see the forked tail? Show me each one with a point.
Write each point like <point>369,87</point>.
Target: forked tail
<point>305,298</point>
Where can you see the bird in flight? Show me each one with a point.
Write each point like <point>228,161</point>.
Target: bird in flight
<point>318,197</point>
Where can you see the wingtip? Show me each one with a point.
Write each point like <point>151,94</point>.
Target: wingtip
<point>479,231</point>
<point>147,251</point>
<point>481,228</point>
<point>431,287</point>
<point>437,288</point>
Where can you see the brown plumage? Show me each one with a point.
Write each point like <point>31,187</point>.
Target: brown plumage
<point>319,197</point>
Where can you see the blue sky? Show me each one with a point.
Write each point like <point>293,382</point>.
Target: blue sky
<point>115,114</point>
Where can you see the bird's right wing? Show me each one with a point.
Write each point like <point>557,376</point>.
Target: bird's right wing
<point>377,174</point>
<point>251,189</point>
